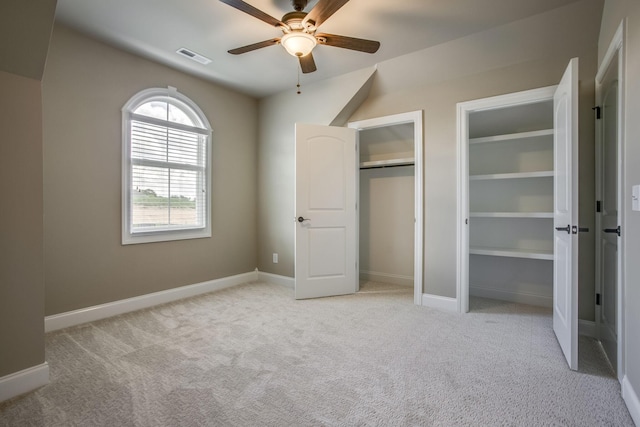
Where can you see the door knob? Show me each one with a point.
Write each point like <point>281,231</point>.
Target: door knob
<point>612,230</point>
<point>577,229</point>
<point>567,229</point>
<point>301,219</point>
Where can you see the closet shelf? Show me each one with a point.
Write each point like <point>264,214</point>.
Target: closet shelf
<point>512,136</point>
<point>512,253</point>
<point>511,214</point>
<point>387,163</point>
<point>517,175</point>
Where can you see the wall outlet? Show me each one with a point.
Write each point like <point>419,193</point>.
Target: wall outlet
<point>275,258</point>
<point>635,198</point>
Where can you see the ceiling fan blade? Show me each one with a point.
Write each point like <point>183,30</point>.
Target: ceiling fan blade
<point>307,64</point>
<point>323,11</point>
<point>254,46</point>
<point>362,45</point>
<point>256,13</point>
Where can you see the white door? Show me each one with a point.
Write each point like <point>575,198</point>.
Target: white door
<point>325,203</point>
<point>565,246</point>
<point>607,232</point>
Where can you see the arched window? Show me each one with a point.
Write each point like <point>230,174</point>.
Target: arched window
<point>166,164</point>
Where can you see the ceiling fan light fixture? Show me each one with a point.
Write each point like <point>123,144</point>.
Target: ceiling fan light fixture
<point>298,43</point>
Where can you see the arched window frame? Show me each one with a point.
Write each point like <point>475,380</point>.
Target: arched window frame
<point>132,234</point>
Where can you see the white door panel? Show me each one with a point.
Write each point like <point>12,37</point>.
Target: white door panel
<point>565,275</point>
<point>325,237</point>
<point>608,255</point>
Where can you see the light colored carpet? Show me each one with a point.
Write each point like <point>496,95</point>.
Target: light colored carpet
<point>253,356</point>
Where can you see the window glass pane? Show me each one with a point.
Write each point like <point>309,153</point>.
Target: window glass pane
<point>177,115</point>
<point>149,201</point>
<point>183,204</point>
<point>157,109</point>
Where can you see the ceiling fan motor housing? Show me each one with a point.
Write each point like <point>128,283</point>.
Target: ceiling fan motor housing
<point>294,21</point>
<point>299,5</point>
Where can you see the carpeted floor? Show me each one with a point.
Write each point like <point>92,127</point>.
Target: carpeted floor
<point>253,356</point>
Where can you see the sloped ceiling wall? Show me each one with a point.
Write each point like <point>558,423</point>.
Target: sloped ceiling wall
<point>25,31</point>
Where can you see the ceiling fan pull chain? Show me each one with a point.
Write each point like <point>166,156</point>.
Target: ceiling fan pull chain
<point>298,85</point>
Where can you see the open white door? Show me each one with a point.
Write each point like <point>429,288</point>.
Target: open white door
<point>326,232</point>
<point>565,265</point>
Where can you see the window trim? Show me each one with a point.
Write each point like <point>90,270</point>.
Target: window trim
<point>132,104</point>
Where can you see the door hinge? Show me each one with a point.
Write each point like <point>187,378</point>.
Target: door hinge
<point>597,110</point>
<point>597,299</point>
<point>598,206</point>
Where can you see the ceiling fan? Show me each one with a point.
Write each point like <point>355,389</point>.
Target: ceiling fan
<point>299,31</point>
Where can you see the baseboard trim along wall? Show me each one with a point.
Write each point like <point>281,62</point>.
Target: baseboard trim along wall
<point>276,279</point>
<point>102,311</point>
<point>587,328</point>
<point>24,381</point>
<point>522,298</point>
<point>395,279</point>
<point>442,303</point>
<point>631,399</point>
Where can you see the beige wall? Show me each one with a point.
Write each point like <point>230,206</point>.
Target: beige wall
<point>86,83</point>
<point>478,66</point>
<point>614,12</point>
<point>25,29</point>
<point>21,276</point>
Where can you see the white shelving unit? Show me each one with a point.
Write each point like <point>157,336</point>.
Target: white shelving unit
<point>387,163</point>
<point>510,171</point>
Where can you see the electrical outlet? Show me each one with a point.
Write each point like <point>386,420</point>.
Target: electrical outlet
<point>275,258</point>
<point>635,198</point>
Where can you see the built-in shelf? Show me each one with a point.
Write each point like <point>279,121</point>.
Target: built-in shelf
<point>511,214</point>
<point>512,136</point>
<point>512,253</point>
<point>517,175</point>
<point>387,163</point>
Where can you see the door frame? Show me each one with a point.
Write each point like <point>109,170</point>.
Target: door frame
<point>463,110</point>
<point>615,47</point>
<point>414,117</point>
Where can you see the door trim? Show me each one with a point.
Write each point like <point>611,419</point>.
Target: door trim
<point>462,229</point>
<point>414,117</point>
<point>615,47</point>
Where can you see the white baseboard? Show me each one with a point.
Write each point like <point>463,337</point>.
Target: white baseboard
<point>276,279</point>
<point>522,298</point>
<point>395,279</point>
<point>587,328</point>
<point>102,311</point>
<point>631,399</point>
<point>442,303</point>
<point>24,381</point>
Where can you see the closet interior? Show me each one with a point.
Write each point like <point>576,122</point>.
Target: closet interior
<point>511,172</point>
<point>386,204</point>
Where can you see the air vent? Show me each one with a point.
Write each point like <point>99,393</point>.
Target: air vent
<point>194,56</point>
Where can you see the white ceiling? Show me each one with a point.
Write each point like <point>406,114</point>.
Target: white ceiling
<point>155,29</point>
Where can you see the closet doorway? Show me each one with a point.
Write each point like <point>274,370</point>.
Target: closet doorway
<point>390,201</point>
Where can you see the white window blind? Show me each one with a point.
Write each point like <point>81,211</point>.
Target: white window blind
<point>168,157</point>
